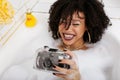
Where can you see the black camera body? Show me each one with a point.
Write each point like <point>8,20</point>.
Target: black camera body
<point>47,58</point>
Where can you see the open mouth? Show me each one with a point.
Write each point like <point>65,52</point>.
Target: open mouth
<point>68,36</point>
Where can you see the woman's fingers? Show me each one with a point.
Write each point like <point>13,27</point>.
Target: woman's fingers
<point>60,75</point>
<point>69,62</point>
<point>69,53</point>
<point>67,74</point>
<point>61,70</point>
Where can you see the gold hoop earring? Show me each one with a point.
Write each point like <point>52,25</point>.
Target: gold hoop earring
<point>89,37</point>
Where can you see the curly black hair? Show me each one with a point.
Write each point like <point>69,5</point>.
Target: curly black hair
<point>96,19</point>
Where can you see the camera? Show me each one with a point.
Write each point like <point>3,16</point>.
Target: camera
<point>48,57</point>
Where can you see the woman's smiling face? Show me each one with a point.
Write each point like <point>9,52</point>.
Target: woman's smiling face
<point>74,33</point>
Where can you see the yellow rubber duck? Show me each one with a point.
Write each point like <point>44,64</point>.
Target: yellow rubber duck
<point>30,20</point>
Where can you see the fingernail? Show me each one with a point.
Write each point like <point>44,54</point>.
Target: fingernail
<point>59,60</point>
<point>53,73</point>
<point>65,50</point>
<point>54,66</point>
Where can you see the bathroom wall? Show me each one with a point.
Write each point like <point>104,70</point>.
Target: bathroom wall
<point>112,8</point>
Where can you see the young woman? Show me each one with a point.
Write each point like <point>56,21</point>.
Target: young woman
<point>77,28</point>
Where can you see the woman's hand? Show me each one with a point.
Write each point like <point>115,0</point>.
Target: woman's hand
<point>68,74</point>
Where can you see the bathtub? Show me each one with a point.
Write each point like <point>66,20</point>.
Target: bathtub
<point>17,49</point>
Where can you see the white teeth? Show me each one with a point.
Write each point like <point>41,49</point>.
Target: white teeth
<point>68,36</point>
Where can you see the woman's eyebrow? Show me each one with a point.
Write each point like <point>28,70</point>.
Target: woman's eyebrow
<point>79,20</point>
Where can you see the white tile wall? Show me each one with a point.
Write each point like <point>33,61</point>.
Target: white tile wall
<point>112,3</point>
<point>112,8</point>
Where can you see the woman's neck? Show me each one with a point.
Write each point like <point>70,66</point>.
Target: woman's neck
<point>77,46</point>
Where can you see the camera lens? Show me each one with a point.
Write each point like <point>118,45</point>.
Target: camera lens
<point>47,63</point>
